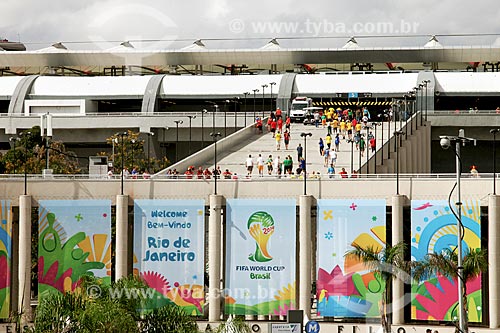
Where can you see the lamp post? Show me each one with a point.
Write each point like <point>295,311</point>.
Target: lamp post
<point>367,143</point>
<point>352,154</point>
<point>425,82</point>
<point>445,142</point>
<point>264,86</point>
<point>190,120</point>
<point>166,128</point>
<point>272,84</point>
<point>203,127</point>
<point>493,131</point>
<point>246,94</point>
<point>359,146</point>
<point>214,136</point>
<point>25,135</point>
<point>225,117</point>
<point>397,134</point>
<point>122,135</point>
<point>150,134</point>
<point>375,125</point>
<point>254,99</point>
<point>132,145</point>
<point>14,140</point>
<point>305,135</point>
<point>177,122</point>
<point>236,102</point>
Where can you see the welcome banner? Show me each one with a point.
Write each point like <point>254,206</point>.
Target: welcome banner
<point>5,256</point>
<point>434,229</point>
<point>74,240</point>
<point>344,287</point>
<point>169,248</point>
<point>260,256</point>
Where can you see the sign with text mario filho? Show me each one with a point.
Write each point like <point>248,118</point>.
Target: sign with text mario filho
<point>260,256</point>
<point>169,251</point>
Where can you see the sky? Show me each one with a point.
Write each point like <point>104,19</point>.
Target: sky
<point>168,24</point>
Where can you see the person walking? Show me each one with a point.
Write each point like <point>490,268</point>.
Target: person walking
<point>337,142</point>
<point>249,165</point>
<point>270,164</point>
<point>328,141</point>
<point>277,136</point>
<point>260,165</point>
<point>321,146</point>
<point>286,137</point>
<point>300,150</point>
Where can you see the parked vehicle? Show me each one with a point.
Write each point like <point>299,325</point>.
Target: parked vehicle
<point>309,114</point>
<point>297,112</point>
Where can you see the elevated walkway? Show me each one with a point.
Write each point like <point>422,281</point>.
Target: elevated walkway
<point>233,150</point>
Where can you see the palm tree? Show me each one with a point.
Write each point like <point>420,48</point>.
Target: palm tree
<point>445,263</point>
<point>386,263</point>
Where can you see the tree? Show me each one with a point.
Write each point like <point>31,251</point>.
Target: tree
<point>134,154</point>
<point>445,263</point>
<point>386,263</point>
<point>28,153</point>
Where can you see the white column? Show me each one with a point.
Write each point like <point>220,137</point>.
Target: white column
<point>494,259</point>
<point>122,244</point>
<point>305,254</point>
<point>24,295</point>
<point>397,236</point>
<point>214,258</point>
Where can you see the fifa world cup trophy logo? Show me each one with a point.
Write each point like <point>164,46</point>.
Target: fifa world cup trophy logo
<point>260,227</point>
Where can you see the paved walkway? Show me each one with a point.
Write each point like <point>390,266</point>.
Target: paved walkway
<point>265,144</point>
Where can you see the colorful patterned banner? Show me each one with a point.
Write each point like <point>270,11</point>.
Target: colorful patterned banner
<point>344,288</point>
<point>261,255</point>
<point>74,240</point>
<point>5,257</point>
<point>169,247</point>
<point>433,229</point>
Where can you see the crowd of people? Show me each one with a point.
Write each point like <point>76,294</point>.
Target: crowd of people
<point>350,126</point>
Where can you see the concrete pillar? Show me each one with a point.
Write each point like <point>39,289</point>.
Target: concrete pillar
<point>397,236</point>
<point>494,259</point>
<point>24,295</point>
<point>305,254</point>
<point>214,258</point>
<point>122,237</point>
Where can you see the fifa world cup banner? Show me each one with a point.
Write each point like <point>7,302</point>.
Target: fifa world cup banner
<point>260,256</point>
<point>344,287</point>
<point>5,257</point>
<point>74,240</point>
<point>434,230</point>
<point>169,251</point>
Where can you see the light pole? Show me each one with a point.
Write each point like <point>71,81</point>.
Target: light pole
<point>14,140</point>
<point>236,102</point>
<point>264,86</point>
<point>367,143</point>
<point>352,154</point>
<point>225,117</point>
<point>150,134</point>
<point>493,131</point>
<point>177,122</point>
<point>166,128</point>
<point>272,84</point>
<point>397,134</point>
<point>375,125</point>
<point>214,136</point>
<point>445,142</point>
<point>425,82</point>
<point>254,99</point>
<point>25,136</point>
<point>122,135</point>
<point>305,135</point>
<point>246,94</point>
<point>190,120</point>
<point>203,127</point>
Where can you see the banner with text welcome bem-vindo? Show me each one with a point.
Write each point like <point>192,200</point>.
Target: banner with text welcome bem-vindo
<point>169,251</point>
<point>260,256</point>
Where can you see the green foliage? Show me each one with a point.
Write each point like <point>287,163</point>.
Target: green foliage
<point>134,153</point>
<point>234,325</point>
<point>28,152</point>
<point>167,319</point>
<point>95,307</point>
